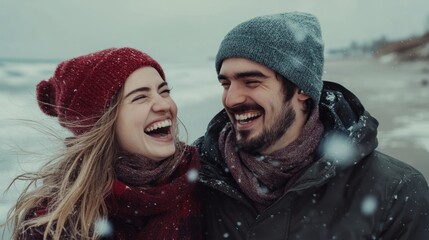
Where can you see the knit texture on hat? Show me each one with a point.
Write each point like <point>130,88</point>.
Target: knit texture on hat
<point>81,88</point>
<point>289,43</point>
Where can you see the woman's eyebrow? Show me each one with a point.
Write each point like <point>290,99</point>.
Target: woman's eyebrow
<point>145,89</point>
<point>162,85</point>
<point>141,89</point>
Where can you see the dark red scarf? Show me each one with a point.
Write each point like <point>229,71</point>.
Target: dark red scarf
<point>170,210</point>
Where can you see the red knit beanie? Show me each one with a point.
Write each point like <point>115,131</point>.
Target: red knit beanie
<point>83,87</point>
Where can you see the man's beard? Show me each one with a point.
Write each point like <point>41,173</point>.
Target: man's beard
<point>269,135</point>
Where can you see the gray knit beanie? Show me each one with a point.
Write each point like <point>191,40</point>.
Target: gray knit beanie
<point>289,43</point>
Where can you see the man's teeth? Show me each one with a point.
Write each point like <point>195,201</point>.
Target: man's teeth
<point>165,123</point>
<point>243,117</point>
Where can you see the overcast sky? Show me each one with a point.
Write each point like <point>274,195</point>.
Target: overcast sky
<point>185,30</point>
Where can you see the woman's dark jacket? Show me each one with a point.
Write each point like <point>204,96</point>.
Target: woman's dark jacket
<point>351,191</point>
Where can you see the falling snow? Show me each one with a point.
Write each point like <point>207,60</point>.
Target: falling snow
<point>369,205</point>
<point>103,228</point>
<point>338,147</point>
<point>192,175</point>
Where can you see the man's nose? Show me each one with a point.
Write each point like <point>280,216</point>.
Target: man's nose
<point>234,95</point>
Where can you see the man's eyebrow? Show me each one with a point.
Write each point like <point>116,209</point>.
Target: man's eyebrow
<point>145,89</point>
<point>241,75</point>
<point>221,77</point>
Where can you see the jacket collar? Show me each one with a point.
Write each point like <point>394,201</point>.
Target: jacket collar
<point>350,131</point>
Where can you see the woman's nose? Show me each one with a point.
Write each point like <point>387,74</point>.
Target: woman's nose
<point>161,104</point>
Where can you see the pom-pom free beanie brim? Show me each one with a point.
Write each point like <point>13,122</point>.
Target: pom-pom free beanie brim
<point>289,43</point>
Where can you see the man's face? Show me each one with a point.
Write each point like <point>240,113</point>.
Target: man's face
<point>254,100</point>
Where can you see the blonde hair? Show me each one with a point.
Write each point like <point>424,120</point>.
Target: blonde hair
<point>74,184</point>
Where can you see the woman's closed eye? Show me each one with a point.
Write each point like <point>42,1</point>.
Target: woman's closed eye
<point>139,97</point>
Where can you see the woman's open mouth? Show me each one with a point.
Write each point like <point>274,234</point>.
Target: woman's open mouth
<point>159,129</point>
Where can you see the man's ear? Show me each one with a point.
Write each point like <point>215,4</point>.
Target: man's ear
<point>302,96</point>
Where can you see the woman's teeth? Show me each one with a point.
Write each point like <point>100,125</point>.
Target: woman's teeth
<point>157,125</point>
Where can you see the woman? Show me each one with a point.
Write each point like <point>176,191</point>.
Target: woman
<point>123,174</point>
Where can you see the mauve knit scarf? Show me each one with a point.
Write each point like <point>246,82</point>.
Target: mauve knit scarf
<point>167,210</point>
<point>264,178</point>
<point>137,170</point>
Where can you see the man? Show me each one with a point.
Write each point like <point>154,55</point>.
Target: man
<point>292,157</point>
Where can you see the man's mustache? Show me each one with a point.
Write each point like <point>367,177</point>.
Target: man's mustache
<point>244,108</point>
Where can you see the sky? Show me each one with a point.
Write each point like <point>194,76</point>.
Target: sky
<point>186,31</point>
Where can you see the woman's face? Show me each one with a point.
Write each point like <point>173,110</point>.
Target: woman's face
<point>146,124</point>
